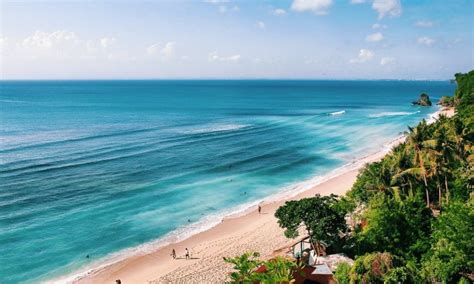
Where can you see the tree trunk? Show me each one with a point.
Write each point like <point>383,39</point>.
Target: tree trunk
<point>447,189</point>
<point>427,197</point>
<point>426,191</point>
<point>424,180</point>
<point>439,195</point>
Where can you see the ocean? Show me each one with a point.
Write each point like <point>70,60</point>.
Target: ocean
<point>94,170</point>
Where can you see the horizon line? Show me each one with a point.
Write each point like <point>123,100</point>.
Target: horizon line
<point>224,79</point>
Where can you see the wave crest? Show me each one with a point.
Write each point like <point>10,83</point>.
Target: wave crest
<point>216,128</point>
<point>392,113</point>
<point>337,112</point>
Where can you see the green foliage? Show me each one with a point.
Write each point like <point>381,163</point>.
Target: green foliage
<point>371,268</point>
<point>401,228</point>
<point>452,252</point>
<point>464,97</point>
<point>277,270</point>
<point>342,273</point>
<point>436,163</point>
<point>321,216</point>
<point>400,275</point>
<point>446,101</point>
<point>245,266</point>
<point>372,179</point>
<point>380,267</point>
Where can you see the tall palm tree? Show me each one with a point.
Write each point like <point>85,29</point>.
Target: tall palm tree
<point>446,150</point>
<point>400,161</point>
<point>379,178</point>
<point>461,137</point>
<point>416,138</point>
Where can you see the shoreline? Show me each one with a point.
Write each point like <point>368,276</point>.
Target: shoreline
<point>239,231</point>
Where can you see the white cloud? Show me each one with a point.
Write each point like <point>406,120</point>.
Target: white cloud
<point>390,7</point>
<point>387,60</point>
<point>107,42</point>
<point>375,37</point>
<point>278,12</point>
<point>63,45</point>
<point>3,42</point>
<point>319,7</point>
<point>153,49</point>
<point>169,49</point>
<point>364,56</point>
<point>214,56</point>
<point>425,24</point>
<point>426,41</point>
<point>260,25</point>
<point>48,40</point>
<point>357,1</point>
<point>378,26</point>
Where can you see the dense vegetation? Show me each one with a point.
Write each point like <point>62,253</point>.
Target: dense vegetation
<point>413,210</point>
<point>277,270</point>
<point>417,204</point>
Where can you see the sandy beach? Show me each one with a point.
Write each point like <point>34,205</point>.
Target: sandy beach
<point>233,236</point>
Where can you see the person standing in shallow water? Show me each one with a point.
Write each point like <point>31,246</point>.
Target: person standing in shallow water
<point>173,254</point>
<point>187,253</point>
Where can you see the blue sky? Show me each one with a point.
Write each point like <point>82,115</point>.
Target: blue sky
<point>229,39</point>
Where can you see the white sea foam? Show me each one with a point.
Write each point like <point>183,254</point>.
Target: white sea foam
<point>434,116</point>
<point>337,112</point>
<point>390,113</point>
<point>215,128</point>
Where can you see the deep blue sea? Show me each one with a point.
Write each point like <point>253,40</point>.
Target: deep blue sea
<point>96,167</point>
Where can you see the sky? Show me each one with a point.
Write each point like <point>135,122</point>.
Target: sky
<point>231,39</point>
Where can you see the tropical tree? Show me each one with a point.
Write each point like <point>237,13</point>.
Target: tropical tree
<point>452,252</point>
<point>400,160</point>
<point>276,270</point>
<point>342,273</point>
<point>416,138</point>
<point>444,156</point>
<point>398,227</point>
<point>320,216</point>
<point>371,268</point>
<point>245,266</point>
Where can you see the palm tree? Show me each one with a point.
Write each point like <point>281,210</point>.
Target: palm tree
<point>446,150</point>
<point>379,178</point>
<point>399,163</point>
<point>416,138</point>
<point>460,137</point>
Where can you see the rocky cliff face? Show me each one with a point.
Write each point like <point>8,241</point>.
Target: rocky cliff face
<point>424,100</point>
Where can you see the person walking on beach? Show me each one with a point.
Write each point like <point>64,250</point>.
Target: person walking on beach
<point>187,253</point>
<point>259,209</point>
<point>173,254</point>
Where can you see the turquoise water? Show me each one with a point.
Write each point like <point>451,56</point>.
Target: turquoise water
<point>95,167</point>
